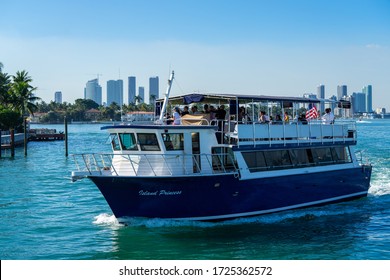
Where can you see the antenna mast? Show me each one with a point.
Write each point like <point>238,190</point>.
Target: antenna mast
<point>164,107</point>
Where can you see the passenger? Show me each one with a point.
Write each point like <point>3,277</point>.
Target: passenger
<point>185,111</point>
<point>194,110</point>
<point>220,114</point>
<point>242,115</point>
<point>278,120</point>
<point>206,109</point>
<point>286,117</point>
<point>263,117</point>
<point>328,117</point>
<point>212,113</point>
<point>168,118</point>
<point>302,119</point>
<point>176,116</point>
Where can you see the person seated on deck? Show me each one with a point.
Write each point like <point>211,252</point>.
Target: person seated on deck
<point>185,111</point>
<point>263,117</point>
<point>242,116</point>
<point>286,117</point>
<point>302,119</point>
<point>328,117</point>
<point>278,120</point>
<point>194,110</point>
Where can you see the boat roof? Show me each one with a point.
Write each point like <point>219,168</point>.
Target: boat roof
<point>158,126</point>
<point>217,97</point>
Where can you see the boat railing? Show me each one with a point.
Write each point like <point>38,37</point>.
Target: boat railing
<point>153,164</point>
<point>313,132</point>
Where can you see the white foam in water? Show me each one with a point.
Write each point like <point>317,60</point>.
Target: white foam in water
<point>381,187</point>
<point>106,219</point>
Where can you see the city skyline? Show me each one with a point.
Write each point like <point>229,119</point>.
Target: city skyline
<point>249,47</point>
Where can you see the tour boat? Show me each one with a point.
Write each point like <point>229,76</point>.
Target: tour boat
<point>215,169</point>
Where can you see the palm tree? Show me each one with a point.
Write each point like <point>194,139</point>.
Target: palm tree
<point>137,99</point>
<point>5,85</point>
<point>22,93</point>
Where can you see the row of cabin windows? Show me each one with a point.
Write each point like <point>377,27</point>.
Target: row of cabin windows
<point>295,158</point>
<point>146,141</point>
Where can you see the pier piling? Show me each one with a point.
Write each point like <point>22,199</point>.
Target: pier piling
<point>12,131</point>
<point>66,135</point>
<point>25,136</point>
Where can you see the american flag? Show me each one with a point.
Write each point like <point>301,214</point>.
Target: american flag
<point>312,112</point>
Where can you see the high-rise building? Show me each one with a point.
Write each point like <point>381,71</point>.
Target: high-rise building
<point>115,92</point>
<point>93,91</point>
<point>321,95</point>
<point>368,91</point>
<point>358,102</point>
<point>58,97</point>
<point>131,92</point>
<point>153,89</point>
<point>141,94</point>
<point>341,92</point>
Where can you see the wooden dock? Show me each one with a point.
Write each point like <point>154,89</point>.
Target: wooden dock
<point>43,134</point>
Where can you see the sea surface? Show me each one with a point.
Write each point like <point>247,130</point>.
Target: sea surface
<point>43,215</point>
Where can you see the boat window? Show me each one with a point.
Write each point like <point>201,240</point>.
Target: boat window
<point>173,141</point>
<point>116,146</point>
<point>128,141</point>
<point>277,159</point>
<point>299,157</point>
<point>255,161</point>
<point>322,155</point>
<point>341,154</point>
<point>222,158</point>
<point>295,158</point>
<point>148,141</point>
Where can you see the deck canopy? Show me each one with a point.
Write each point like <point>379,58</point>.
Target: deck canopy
<point>225,98</point>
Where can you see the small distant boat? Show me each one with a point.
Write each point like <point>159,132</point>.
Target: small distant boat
<point>226,168</point>
<point>45,134</point>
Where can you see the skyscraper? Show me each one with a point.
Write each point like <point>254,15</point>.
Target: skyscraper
<point>141,94</point>
<point>358,102</point>
<point>321,95</point>
<point>131,92</point>
<point>153,89</point>
<point>93,91</point>
<point>368,91</point>
<point>341,92</point>
<point>58,97</point>
<point>115,92</point>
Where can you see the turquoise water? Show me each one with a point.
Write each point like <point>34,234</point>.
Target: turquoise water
<point>46,216</point>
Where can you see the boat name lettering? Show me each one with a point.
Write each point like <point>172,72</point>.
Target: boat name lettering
<point>158,193</point>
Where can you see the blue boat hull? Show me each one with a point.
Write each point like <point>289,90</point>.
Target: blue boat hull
<point>225,196</point>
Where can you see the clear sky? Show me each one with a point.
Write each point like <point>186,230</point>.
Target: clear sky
<point>268,47</point>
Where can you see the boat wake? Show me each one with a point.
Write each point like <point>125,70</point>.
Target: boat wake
<point>292,216</point>
<point>106,220</point>
<point>380,187</point>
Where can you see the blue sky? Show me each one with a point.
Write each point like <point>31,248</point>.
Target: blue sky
<point>252,47</point>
